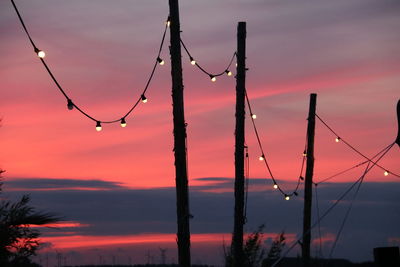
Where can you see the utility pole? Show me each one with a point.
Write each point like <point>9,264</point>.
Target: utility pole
<point>237,238</point>
<point>309,181</point>
<point>181,177</point>
<point>398,123</point>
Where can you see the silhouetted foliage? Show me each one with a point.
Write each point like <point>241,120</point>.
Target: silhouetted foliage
<point>18,241</point>
<point>274,252</point>
<point>253,250</point>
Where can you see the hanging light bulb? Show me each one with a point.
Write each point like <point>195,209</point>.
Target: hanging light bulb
<point>98,126</point>
<point>304,153</point>
<point>287,197</point>
<point>337,140</point>
<point>228,72</point>
<point>70,105</point>
<point>253,116</point>
<point>168,22</point>
<point>301,178</point>
<point>213,78</point>
<point>40,53</point>
<point>275,186</point>
<point>160,61</point>
<point>386,173</point>
<point>262,157</point>
<point>192,61</point>
<point>123,123</point>
<point>144,99</point>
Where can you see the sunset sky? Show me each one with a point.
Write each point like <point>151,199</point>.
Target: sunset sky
<point>116,187</point>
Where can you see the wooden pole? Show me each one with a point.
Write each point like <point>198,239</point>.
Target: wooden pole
<point>398,123</point>
<point>237,238</point>
<point>181,177</point>
<point>309,181</point>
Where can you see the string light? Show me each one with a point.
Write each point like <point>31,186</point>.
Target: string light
<point>275,186</point>
<point>337,140</point>
<point>262,157</point>
<point>386,173</point>
<point>123,123</point>
<point>70,105</point>
<point>98,126</point>
<point>192,61</point>
<point>40,53</point>
<point>287,197</point>
<point>213,78</point>
<point>253,116</point>
<point>228,72</point>
<point>168,22</point>
<point>304,154</point>
<point>160,61</point>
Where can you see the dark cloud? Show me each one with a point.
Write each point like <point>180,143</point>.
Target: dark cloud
<point>60,184</point>
<point>376,211</point>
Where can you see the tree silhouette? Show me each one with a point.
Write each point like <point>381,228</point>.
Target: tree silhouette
<point>18,241</point>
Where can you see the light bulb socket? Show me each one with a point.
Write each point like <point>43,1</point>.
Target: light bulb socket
<point>70,104</point>
<point>123,122</point>
<point>160,61</point>
<point>98,126</point>
<point>228,72</point>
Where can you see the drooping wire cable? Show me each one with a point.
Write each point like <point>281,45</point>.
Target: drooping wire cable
<point>70,103</point>
<point>346,216</point>
<point>337,201</point>
<point>209,74</point>
<point>264,158</point>
<point>340,139</point>
<point>351,168</point>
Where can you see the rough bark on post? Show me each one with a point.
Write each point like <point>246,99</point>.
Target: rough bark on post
<point>181,177</point>
<point>237,238</point>
<point>309,181</point>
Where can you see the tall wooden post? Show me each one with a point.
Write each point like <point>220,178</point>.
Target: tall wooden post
<point>398,123</point>
<point>181,177</point>
<point>237,238</point>
<point>309,181</point>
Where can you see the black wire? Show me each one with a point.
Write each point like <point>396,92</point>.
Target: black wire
<point>352,147</point>
<point>294,192</point>
<point>346,216</point>
<point>247,178</point>
<point>63,91</point>
<point>332,206</point>
<point>23,24</point>
<point>202,69</point>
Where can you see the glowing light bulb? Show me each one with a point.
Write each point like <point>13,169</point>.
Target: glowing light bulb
<point>212,77</point>
<point>275,186</point>
<point>160,61</point>
<point>168,22</point>
<point>261,158</point>
<point>144,99</point>
<point>98,126</point>
<point>386,173</point>
<point>123,123</point>
<point>70,105</point>
<point>287,197</point>
<point>304,154</point>
<point>228,72</point>
<point>40,53</point>
<point>337,140</point>
<point>192,61</point>
<point>254,116</point>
